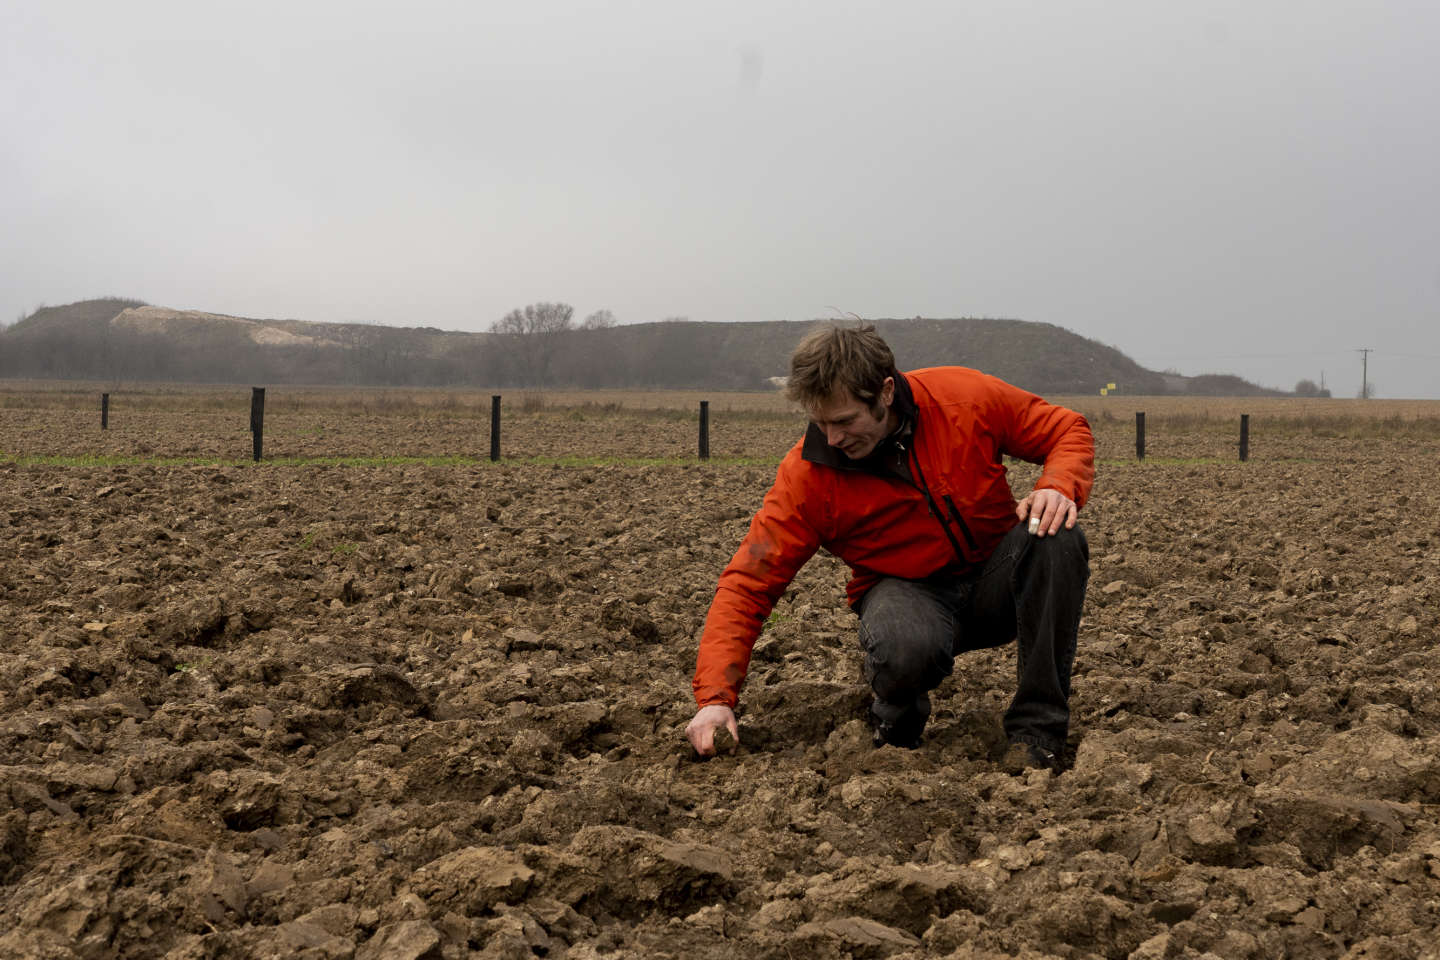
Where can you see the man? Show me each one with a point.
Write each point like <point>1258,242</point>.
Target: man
<point>900,476</point>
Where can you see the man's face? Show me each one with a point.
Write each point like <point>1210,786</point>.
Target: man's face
<point>850,425</point>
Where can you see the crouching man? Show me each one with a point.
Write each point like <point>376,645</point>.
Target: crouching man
<point>900,476</point>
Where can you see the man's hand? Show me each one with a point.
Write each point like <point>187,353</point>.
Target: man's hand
<point>706,721</point>
<point>1051,508</point>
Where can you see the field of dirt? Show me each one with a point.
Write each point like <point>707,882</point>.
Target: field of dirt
<point>427,708</point>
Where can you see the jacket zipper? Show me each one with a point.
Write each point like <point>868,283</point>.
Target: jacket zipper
<point>934,508</point>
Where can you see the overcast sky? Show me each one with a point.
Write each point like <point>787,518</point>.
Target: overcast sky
<point>1229,186</point>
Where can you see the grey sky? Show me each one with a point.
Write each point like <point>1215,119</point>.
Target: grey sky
<point>1242,187</point>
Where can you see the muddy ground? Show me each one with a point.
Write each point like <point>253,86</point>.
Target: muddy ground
<point>407,711</point>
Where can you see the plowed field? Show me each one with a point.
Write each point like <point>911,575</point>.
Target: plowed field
<point>377,697</point>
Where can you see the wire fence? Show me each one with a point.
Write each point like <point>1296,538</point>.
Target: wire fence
<point>286,425</point>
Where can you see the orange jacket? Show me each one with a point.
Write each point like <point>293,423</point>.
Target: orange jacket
<point>950,515</point>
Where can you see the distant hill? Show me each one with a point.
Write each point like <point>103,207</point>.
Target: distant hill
<point>127,340</point>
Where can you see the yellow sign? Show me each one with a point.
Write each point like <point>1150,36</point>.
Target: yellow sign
<point>1109,386</point>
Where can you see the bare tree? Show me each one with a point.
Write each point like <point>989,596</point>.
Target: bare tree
<point>599,320</point>
<point>533,333</point>
<point>537,318</point>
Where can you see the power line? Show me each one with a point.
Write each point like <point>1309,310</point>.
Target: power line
<point>1407,356</point>
<point>1259,356</point>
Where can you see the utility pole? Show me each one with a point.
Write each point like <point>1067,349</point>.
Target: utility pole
<point>1364,372</point>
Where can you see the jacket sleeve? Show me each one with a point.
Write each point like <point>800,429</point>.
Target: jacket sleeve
<point>781,539</point>
<point>1044,433</point>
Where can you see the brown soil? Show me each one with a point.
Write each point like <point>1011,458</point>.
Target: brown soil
<point>432,712</point>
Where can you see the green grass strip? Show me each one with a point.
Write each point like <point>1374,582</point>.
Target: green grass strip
<point>99,460</point>
<point>108,460</point>
<point>1195,461</point>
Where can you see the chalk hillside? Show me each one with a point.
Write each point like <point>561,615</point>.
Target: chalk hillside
<point>116,339</point>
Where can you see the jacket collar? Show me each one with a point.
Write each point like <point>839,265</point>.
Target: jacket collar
<point>816,450</point>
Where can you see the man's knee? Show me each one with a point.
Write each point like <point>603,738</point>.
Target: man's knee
<point>899,667</point>
<point>1063,551</point>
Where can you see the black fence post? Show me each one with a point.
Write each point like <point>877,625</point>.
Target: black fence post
<point>257,419</point>
<point>104,411</point>
<point>1139,435</point>
<point>1244,437</point>
<point>495,427</point>
<point>704,429</point>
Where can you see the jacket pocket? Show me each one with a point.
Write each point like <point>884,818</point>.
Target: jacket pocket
<point>960,522</point>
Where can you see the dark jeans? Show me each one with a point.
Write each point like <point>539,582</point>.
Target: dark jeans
<point>1030,590</point>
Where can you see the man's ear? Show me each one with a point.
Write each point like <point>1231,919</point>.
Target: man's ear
<point>887,391</point>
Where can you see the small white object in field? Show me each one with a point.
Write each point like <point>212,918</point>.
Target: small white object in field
<point>1034,524</point>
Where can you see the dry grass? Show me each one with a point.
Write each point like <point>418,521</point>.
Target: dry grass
<point>1340,418</point>
<point>385,401</point>
<point>1324,418</point>
<point>1259,408</point>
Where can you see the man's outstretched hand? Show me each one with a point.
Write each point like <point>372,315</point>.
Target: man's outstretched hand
<point>706,721</point>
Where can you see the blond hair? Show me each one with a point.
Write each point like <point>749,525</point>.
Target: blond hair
<point>855,358</point>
